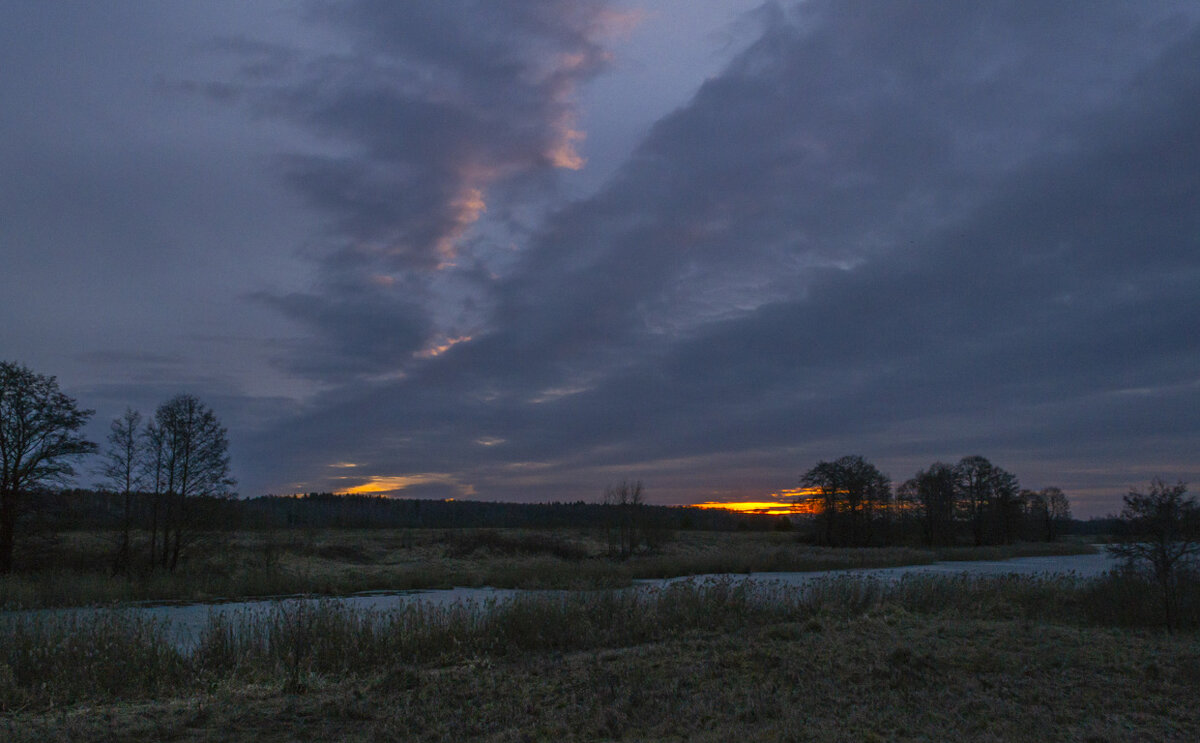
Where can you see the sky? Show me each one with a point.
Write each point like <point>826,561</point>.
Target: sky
<point>525,249</point>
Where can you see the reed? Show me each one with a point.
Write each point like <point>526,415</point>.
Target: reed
<point>1010,551</point>
<point>338,562</point>
<point>54,658</point>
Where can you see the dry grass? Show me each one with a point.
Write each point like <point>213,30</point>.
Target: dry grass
<point>52,659</point>
<point>338,562</point>
<point>883,675</point>
<point>1009,551</point>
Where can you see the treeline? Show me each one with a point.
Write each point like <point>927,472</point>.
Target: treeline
<point>971,502</point>
<point>318,510</point>
<point>85,509</point>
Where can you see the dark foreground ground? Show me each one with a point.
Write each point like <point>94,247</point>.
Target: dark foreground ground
<point>884,675</point>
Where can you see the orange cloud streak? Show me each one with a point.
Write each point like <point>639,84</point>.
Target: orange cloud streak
<point>392,484</point>
<point>793,501</point>
<point>441,348</point>
<point>770,508</point>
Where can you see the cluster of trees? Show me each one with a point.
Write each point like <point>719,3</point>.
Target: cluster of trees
<point>180,459</point>
<point>1159,534</point>
<point>853,499</point>
<point>973,501</point>
<point>982,499</point>
<point>632,525</point>
<point>163,470</point>
<point>625,504</point>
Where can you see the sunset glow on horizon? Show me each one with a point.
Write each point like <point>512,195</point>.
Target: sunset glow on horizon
<point>767,508</point>
<point>390,485</point>
<point>793,501</point>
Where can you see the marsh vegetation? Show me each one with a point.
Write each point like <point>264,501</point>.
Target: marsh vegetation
<point>848,659</point>
<point>341,561</point>
<point>845,658</point>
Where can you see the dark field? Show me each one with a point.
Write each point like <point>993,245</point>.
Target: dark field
<point>884,676</point>
<point>341,561</point>
<point>927,658</point>
<point>924,659</point>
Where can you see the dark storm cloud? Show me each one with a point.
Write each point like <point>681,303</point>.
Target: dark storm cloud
<point>421,118</point>
<point>827,143</point>
<point>363,332</point>
<point>1073,281</point>
<point>917,230</point>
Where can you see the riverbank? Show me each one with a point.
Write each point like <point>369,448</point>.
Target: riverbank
<point>1013,658</point>
<point>333,562</point>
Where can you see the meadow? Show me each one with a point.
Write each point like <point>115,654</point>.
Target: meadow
<point>984,658</point>
<point>254,563</point>
<point>849,658</point>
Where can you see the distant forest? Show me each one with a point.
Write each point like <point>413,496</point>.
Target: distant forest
<point>84,509</point>
<point>81,509</point>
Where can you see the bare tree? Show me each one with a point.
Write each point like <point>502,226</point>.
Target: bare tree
<point>1163,535</point>
<point>986,495</point>
<point>189,455</point>
<point>625,526</point>
<point>826,479</point>
<point>855,497</point>
<point>154,474</point>
<point>1058,512</point>
<point>39,434</point>
<point>930,495</point>
<point>1049,511</point>
<point>122,470</point>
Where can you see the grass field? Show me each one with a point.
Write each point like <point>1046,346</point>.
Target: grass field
<point>337,562</point>
<point>987,659</point>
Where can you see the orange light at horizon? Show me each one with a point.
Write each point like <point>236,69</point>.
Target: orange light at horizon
<point>790,502</point>
<point>389,485</point>
<point>384,485</point>
<point>768,508</point>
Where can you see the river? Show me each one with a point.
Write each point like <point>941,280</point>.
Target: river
<point>184,621</point>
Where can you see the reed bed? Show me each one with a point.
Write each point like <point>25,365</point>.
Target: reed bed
<point>62,658</point>
<point>333,562</point>
<point>1010,551</point>
<point>57,658</point>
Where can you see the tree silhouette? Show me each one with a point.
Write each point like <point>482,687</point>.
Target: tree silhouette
<point>626,527</point>
<point>189,456</point>
<point>854,497</point>
<point>122,472</point>
<point>986,497</point>
<point>930,494</point>
<point>39,435</point>
<point>1048,511</point>
<point>1163,535</point>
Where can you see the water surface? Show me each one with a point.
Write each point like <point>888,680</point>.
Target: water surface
<point>184,621</point>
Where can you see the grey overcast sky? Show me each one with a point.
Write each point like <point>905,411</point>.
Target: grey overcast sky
<point>522,249</point>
